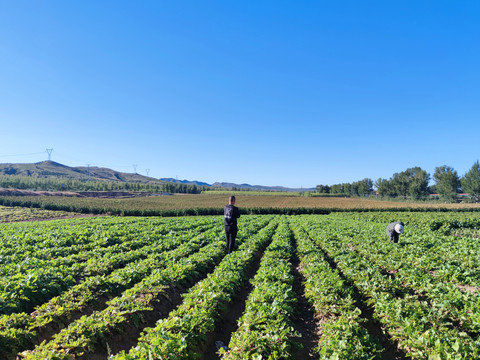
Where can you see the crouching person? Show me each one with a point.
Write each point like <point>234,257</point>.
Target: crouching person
<point>394,230</point>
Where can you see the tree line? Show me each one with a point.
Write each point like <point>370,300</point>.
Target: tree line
<point>64,184</point>
<point>413,183</point>
<point>358,188</point>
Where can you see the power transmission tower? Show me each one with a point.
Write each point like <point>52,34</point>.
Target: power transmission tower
<point>148,171</point>
<point>135,168</point>
<point>49,152</point>
<point>88,171</point>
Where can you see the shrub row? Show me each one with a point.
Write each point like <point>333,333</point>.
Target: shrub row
<point>212,211</point>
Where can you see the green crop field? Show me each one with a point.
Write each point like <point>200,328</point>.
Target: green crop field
<point>331,286</point>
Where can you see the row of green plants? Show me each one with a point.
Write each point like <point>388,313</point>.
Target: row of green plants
<point>84,257</point>
<point>20,330</point>
<point>85,333</point>
<point>435,267</point>
<point>266,330</point>
<point>184,333</point>
<point>431,243</point>
<point>88,332</point>
<point>43,279</point>
<point>56,239</point>
<point>342,331</point>
<point>417,288</point>
<point>420,330</point>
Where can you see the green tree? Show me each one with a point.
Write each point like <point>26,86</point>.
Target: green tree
<point>347,189</point>
<point>384,188</point>
<point>399,183</point>
<point>353,188</point>
<point>412,182</point>
<point>471,181</point>
<point>364,187</point>
<point>337,189</point>
<point>448,182</point>
<point>418,182</point>
<point>323,189</point>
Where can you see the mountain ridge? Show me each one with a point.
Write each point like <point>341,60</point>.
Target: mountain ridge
<point>52,169</point>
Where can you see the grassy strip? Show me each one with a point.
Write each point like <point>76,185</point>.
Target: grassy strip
<point>185,331</point>
<point>265,329</point>
<point>342,334</point>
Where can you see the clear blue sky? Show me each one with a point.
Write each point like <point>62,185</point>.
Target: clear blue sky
<point>292,93</point>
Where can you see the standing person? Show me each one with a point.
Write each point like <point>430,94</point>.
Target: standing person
<point>394,230</point>
<point>231,214</point>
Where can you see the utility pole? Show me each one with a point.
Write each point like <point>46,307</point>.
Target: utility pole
<point>135,168</point>
<point>49,152</point>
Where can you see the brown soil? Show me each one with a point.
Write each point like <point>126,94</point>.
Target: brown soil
<point>305,322</point>
<point>468,288</point>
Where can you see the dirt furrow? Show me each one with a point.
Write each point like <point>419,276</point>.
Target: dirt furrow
<point>304,319</point>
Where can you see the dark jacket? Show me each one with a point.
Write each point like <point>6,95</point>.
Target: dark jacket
<point>391,227</point>
<point>231,214</point>
<point>391,231</point>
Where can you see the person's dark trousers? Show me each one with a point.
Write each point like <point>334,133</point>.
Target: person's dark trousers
<point>394,237</point>
<point>231,234</point>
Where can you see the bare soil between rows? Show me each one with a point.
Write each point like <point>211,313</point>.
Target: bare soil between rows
<point>304,320</point>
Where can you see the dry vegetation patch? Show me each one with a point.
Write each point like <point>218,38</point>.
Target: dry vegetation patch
<point>15,214</point>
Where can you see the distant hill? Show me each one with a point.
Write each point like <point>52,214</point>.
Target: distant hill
<point>52,169</point>
<point>259,187</point>
<point>187,182</point>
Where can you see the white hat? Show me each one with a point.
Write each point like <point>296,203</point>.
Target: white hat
<point>399,228</point>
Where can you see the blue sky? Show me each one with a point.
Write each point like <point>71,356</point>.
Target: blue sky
<point>260,92</point>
